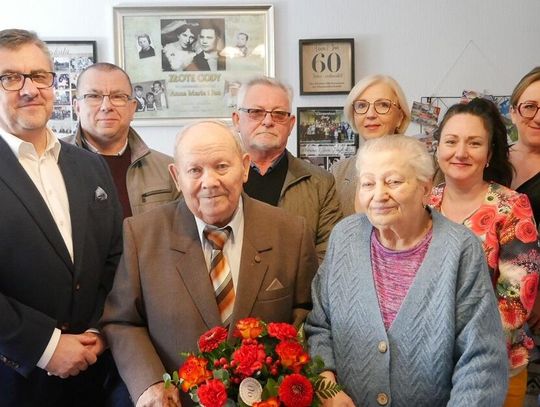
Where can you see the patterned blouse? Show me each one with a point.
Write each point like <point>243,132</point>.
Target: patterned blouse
<point>505,225</point>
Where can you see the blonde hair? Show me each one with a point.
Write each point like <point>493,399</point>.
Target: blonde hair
<point>365,83</point>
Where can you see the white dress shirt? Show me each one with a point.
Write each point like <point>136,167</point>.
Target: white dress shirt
<point>46,175</point>
<point>232,250</point>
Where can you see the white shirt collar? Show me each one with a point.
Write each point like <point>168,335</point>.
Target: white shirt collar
<point>234,223</point>
<point>21,147</point>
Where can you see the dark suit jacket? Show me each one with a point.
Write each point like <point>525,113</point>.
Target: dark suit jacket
<point>201,64</point>
<point>40,287</point>
<point>162,299</point>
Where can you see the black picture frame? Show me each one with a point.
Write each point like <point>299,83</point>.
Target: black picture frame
<point>326,66</point>
<point>323,136</point>
<point>69,58</point>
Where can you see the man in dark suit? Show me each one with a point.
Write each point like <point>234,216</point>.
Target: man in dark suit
<point>209,58</point>
<point>60,242</point>
<point>163,295</point>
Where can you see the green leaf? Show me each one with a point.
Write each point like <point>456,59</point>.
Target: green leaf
<point>325,389</point>
<point>167,379</point>
<point>270,389</point>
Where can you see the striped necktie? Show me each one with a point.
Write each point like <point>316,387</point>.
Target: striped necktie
<point>220,272</point>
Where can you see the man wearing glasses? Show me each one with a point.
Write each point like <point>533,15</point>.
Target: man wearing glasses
<point>264,120</point>
<point>60,242</point>
<point>105,107</point>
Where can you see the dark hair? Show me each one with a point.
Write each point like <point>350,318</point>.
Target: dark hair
<point>145,36</point>
<point>499,170</point>
<point>138,87</point>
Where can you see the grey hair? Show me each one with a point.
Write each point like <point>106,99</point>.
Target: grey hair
<point>414,151</point>
<point>14,38</point>
<point>263,80</point>
<point>239,144</point>
<point>365,83</point>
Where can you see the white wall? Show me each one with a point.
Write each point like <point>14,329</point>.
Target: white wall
<point>431,47</point>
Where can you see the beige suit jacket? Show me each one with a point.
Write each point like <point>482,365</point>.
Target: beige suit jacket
<point>162,299</point>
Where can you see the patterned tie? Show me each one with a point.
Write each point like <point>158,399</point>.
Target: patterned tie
<point>220,272</point>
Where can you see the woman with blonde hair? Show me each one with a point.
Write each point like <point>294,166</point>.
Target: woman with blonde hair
<point>375,107</point>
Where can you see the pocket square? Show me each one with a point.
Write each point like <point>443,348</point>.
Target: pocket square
<point>100,194</point>
<point>274,285</point>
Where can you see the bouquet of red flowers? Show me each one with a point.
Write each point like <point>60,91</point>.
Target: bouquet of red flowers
<point>267,366</point>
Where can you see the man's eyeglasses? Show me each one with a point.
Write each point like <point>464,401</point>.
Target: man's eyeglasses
<point>382,106</point>
<point>528,109</point>
<point>279,116</point>
<point>96,99</point>
<point>15,81</point>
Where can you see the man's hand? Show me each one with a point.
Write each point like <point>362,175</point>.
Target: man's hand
<point>72,355</point>
<point>159,396</point>
<point>100,344</point>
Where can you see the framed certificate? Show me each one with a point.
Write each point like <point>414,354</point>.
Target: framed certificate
<point>326,66</point>
<point>190,60</point>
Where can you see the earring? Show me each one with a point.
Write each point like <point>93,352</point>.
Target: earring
<point>487,165</point>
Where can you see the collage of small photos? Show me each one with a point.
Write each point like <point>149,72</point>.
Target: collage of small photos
<point>426,114</point>
<point>69,60</point>
<point>324,136</point>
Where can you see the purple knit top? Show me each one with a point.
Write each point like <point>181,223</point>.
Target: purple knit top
<point>394,272</point>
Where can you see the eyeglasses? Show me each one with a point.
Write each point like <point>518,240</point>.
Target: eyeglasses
<point>15,81</point>
<point>96,99</point>
<point>528,109</point>
<point>382,106</point>
<point>279,116</point>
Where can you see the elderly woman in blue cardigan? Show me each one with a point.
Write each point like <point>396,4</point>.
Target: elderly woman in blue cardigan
<point>403,309</point>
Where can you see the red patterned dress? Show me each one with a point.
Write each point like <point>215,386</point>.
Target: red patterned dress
<point>505,225</point>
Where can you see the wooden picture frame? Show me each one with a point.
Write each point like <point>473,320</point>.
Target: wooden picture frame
<point>326,66</point>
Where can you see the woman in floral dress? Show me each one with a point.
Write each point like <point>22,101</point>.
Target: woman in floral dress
<point>473,155</point>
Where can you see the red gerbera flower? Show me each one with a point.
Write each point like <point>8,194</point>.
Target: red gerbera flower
<point>296,391</point>
<point>211,339</point>
<point>212,394</point>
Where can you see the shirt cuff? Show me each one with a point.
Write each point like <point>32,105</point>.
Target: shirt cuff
<point>49,350</point>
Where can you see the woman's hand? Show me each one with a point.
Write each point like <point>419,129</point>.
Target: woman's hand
<point>340,399</point>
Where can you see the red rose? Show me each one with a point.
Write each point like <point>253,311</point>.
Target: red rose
<point>522,207</point>
<point>211,339</point>
<point>281,331</point>
<point>212,394</point>
<point>296,391</point>
<point>528,290</point>
<point>491,249</point>
<point>271,402</point>
<point>193,372</point>
<point>292,355</point>
<point>249,328</point>
<point>512,313</point>
<point>482,220</point>
<point>249,358</point>
<point>526,231</point>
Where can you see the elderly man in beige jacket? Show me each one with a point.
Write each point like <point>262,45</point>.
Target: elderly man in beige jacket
<point>264,121</point>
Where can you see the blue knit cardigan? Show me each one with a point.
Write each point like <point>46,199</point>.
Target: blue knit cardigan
<point>445,347</point>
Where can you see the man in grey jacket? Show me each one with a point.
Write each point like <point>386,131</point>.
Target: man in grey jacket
<point>105,107</point>
<point>264,121</point>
